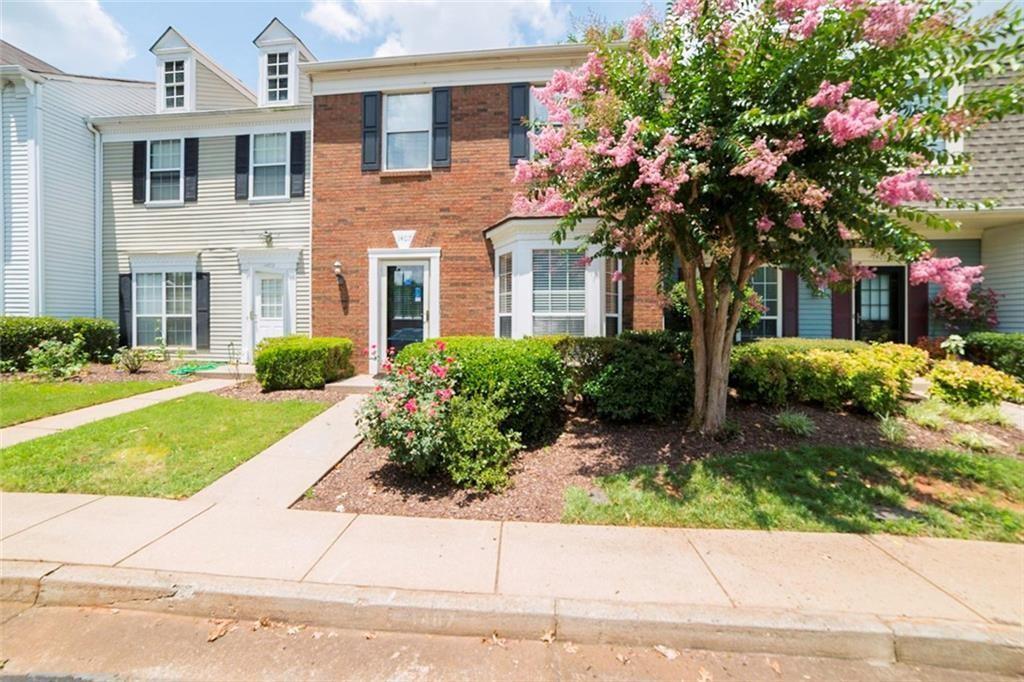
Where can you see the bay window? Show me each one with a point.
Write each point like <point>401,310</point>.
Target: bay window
<point>559,301</point>
<point>269,172</point>
<point>165,161</point>
<point>407,123</point>
<point>505,295</point>
<point>164,308</point>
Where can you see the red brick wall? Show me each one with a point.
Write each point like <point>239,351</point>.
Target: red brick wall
<point>449,208</point>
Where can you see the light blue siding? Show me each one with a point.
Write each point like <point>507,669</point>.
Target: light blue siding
<point>969,253</point>
<point>1003,253</point>
<point>815,312</point>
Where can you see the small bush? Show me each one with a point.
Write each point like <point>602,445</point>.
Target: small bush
<point>1005,352</point>
<point>130,360</point>
<point>796,423</point>
<point>298,362</point>
<point>54,359</point>
<point>638,383</point>
<point>477,454</point>
<point>964,382</point>
<point>892,430</point>
<point>524,378</point>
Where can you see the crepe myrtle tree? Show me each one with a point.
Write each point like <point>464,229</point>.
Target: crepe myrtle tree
<point>733,134</point>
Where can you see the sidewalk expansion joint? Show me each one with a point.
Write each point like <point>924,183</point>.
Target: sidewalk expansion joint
<point>55,516</point>
<point>704,561</point>
<point>164,534</point>
<point>497,564</point>
<point>328,548</point>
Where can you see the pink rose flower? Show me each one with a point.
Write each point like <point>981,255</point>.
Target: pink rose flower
<point>410,406</point>
<point>795,221</point>
<point>765,224</point>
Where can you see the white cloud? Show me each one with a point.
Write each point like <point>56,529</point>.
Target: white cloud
<point>415,27</point>
<point>79,37</point>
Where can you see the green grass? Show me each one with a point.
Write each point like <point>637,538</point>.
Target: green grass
<point>23,401</point>
<point>944,494</point>
<point>892,429</point>
<point>936,415</point>
<point>972,440</point>
<point>170,449</point>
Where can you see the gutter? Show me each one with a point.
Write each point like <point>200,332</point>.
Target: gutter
<point>506,54</point>
<point>97,200</point>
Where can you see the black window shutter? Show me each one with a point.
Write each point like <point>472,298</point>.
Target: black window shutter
<point>241,166</point>
<point>191,169</point>
<point>139,172</point>
<point>518,109</point>
<point>124,309</point>
<point>371,130</point>
<point>442,137</point>
<point>298,164</point>
<point>202,311</point>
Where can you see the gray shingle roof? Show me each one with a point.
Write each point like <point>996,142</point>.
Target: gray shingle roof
<point>9,54</point>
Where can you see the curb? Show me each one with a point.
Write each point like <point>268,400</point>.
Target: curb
<point>947,644</point>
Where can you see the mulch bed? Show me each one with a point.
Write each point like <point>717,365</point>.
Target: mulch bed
<point>250,390</point>
<point>96,373</point>
<point>366,482</point>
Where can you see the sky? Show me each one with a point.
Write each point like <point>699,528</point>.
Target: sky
<point>113,38</point>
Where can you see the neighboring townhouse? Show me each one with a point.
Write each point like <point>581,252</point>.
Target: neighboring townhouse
<point>49,247</point>
<point>412,239</point>
<point>206,203</point>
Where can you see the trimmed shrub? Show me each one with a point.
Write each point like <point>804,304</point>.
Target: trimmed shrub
<point>19,334</point>
<point>301,362</point>
<point>639,383</point>
<point>1005,352</point>
<point>667,342</point>
<point>959,381</point>
<point>583,356</point>
<point>525,378</point>
<point>872,377</point>
<point>477,453</point>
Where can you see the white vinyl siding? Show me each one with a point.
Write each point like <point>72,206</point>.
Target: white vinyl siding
<point>14,155</point>
<point>559,297</point>
<point>214,93</point>
<point>407,119</point>
<point>216,227</point>
<point>1002,254</point>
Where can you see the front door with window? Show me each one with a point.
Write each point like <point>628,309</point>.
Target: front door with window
<point>269,306</point>
<point>878,306</point>
<point>405,315</point>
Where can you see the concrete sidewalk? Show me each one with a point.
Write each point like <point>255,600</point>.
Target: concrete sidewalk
<point>943,602</point>
<point>19,433</point>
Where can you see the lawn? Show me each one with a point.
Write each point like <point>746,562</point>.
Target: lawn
<point>861,490</point>
<point>22,401</point>
<point>171,449</point>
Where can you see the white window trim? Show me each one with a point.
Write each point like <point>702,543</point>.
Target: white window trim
<point>384,133</point>
<point>190,82</point>
<point>287,169</point>
<point>162,266</point>
<point>617,265</point>
<point>180,201</point>
<point>431,256</point>
<point>264,84</point>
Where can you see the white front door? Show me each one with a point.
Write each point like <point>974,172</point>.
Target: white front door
<point>269,306</point>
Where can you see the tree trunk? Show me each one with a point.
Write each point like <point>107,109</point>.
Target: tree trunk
<point>711,350</point>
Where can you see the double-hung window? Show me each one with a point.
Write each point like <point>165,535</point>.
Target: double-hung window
<point>767,283</point>
<point>174,84</point>
<point>559,300</point>
<point>164,308</point>
<point>269,174</point>
<point>277,76</point>
<point>407,121</point>
<point>166,159</point>
<point>505,295</point>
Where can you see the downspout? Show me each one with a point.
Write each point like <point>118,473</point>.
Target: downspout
<point>97,200</point>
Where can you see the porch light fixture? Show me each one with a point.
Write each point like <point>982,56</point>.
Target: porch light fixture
<point>337,268</point>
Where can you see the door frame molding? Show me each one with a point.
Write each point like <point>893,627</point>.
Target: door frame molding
<point>383,257</point>
<point>283,262</point>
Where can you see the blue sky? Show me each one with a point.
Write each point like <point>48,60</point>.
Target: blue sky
<point>113,38</point>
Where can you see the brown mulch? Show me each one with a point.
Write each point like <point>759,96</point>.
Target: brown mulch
<point>96,373</point>
<point>250,390</point>
<point>366,482</point>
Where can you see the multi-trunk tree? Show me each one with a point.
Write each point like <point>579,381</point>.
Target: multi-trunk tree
<point>732,134</point>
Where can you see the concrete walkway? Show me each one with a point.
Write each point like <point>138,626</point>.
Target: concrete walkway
<point>12,435</point>
<point>841,594</point>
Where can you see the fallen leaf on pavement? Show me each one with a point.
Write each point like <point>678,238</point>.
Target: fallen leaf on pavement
<point>218,628</point>
<point>704,676</point>
<point>570,648</point>
<point>774,665</point>
<point>370,635</point>
<point>317,635</point>
<point>668,652</point>
<point>548,637</point>
<point>296,629</point>
<point>495,640</point>
<point>623,658</point>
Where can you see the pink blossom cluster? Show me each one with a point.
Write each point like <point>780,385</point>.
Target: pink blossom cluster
<point>550,203</point>
<point>888,21</point>
<point>902,187</point>
<point>954,279</point>
<point>846,233</point>
<point>566,87</point>
<point>765,224</point>
<point>810,12</point>
<point>623,151</point>
<point>659,68</point>
<point>830,96</point>
<point>637,27</point>
<point>687,9</point>
<point>661,177</point>
<point>847,272</point>
<point>765,162</point>
<point>858,119</point>
<point>795,221</point>
<point>702,139</point>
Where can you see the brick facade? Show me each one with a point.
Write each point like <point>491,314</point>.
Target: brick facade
<point>449,208</point>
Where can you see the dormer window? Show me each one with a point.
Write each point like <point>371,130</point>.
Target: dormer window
<point>278,76</point>
<point>174,84</point>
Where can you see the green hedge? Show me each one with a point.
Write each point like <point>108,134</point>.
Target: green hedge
<point>873,378</point>
<point>524,378</point>
<point>958,381</point>
<point>299,362</point>
<point>19,334</point>
<point>639,382</point>
<point>1003,351</point>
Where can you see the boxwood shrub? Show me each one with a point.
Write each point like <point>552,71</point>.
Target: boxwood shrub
<point>292,362</point>
<point>640,382</point>
<point>20,334</point>
<point>524,378</point>
<point>1003,351</point>
<point>832,373</point>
